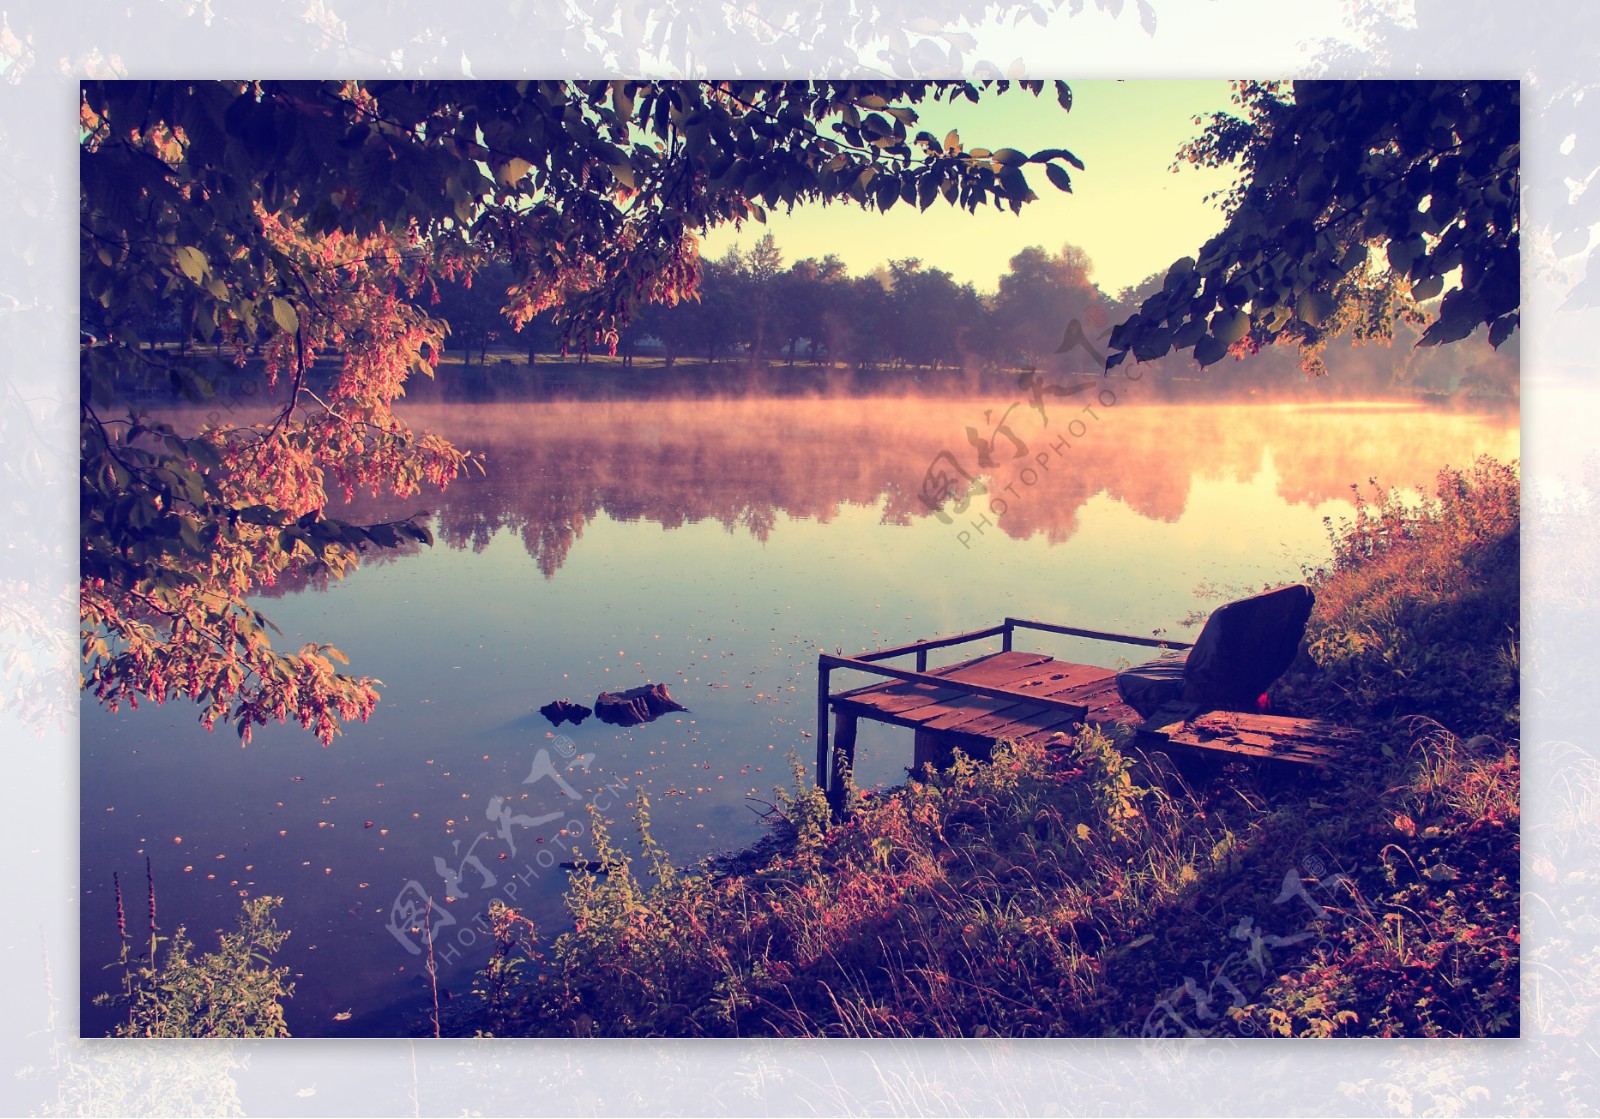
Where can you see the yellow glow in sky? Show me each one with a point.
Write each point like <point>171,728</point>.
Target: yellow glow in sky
<point>1127,210</point>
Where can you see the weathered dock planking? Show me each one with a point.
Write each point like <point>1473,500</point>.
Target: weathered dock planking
<point>1244,735</point>
<point>1013,695</point>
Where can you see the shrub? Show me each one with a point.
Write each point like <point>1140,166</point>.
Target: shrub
<point>232,992</point>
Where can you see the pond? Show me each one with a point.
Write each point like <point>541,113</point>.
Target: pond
<point>715,547</point>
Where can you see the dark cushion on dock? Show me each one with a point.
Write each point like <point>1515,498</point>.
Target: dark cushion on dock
<point>1155,684</point>
<point>1245,646</point>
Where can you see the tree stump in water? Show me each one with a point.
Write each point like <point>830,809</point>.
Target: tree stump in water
<point>635,706</point>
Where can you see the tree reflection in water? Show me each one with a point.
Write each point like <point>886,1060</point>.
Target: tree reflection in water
<point>553,467</point>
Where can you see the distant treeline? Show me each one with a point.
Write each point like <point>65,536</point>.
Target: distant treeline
<point>760,321</point>
<point>1045,314</point>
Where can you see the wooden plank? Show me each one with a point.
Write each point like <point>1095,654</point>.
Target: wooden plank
<point>1059,677</point>
<point>1103,707</point>
<point>994,722</point>
<point>947,710</point>
<point>905,697</point>
<point>892,685</point>
<point>916,718</point>
<point>922,704</point>
<point>830,662</point>
<point>946,716</point>
<point>998,670</point>
<point>1036,726</point>
<point>1314,742</point>
<point>975,714</point>
<point>1312,731</point>
<point>1104,702</point>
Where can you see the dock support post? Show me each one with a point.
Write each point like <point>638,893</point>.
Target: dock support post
<point>823,671</point>
<point>844,759</point>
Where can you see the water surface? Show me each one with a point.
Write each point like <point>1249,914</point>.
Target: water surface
<point>714,547</point>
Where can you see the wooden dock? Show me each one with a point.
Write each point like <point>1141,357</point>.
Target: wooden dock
<point>1013,695</point>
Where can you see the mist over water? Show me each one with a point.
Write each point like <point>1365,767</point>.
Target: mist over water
<point>715,547</point>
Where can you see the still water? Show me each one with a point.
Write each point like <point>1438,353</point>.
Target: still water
<point>713,547</point>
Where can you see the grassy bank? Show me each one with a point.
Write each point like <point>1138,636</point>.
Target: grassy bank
<point>1079,887</point>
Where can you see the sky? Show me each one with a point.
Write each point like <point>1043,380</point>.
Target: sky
<point>1127,210</point>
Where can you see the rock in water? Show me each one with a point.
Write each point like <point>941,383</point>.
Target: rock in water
<point>635,706</point>
<point>564,710</point>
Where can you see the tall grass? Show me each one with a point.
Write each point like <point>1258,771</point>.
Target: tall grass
<point>979,902</point>
<point>1418,614</point>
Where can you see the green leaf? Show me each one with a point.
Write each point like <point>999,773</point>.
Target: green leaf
<point>1314,307</point>
<point>1405,250</point>
<point>1229,326</point>
<point>1048,154</point>
<point>1188,334</point>
<point>1209,350</point>
<point>190,261</point>
<point>1010,157</point>
<point>284,314</point>
<point>1424,290</point>
<point>511,171</point>
<point>621,100</point>
<point>1058,176</point>
<point>887,192</point>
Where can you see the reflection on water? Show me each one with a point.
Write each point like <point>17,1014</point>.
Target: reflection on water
<point>553,468</point>
<point>715,548</point>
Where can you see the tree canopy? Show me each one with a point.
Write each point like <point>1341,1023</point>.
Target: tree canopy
<point>309,222</point>
<point>1356,202</point>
